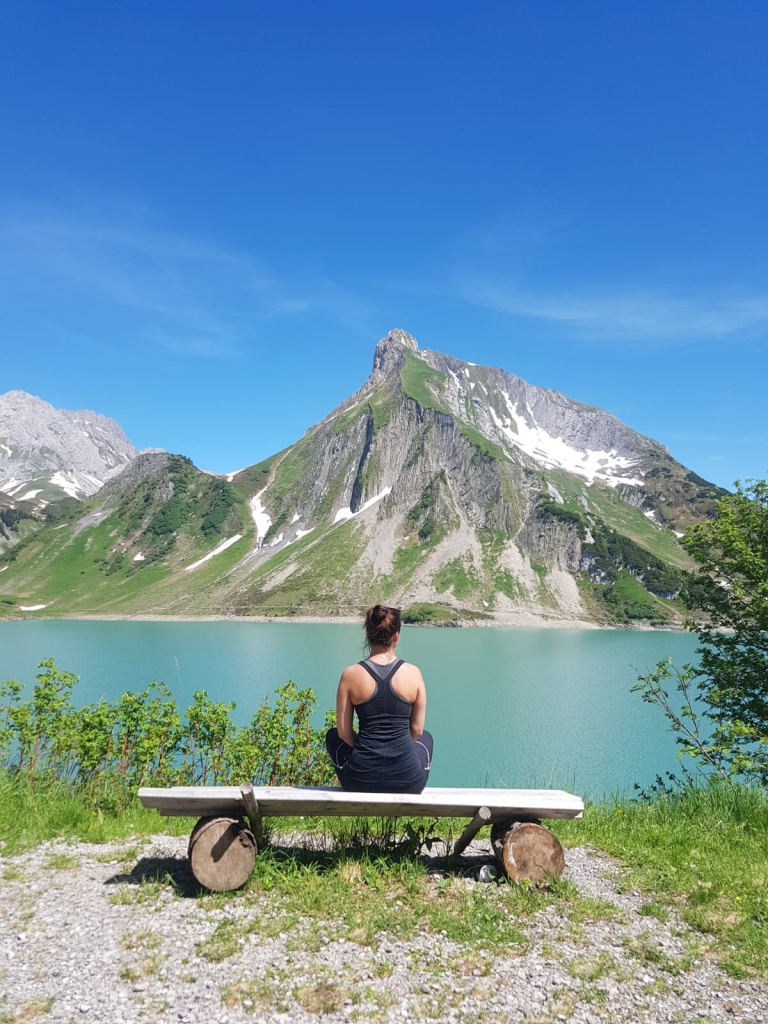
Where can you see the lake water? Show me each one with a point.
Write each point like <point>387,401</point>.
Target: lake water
<point>507,707</point>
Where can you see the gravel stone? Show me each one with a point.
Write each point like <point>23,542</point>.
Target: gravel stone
<point>105,950</point>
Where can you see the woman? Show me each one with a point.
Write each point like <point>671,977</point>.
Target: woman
<point>391,753</point>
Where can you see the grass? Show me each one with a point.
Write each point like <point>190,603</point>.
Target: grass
<point>421,383</point>
<point>459,576</point>
<point>702,853</point>
<point>61,862</point>
<point>427,614</point>
<point>28,1011</point>
<point>477,440</point>
<point>630,521</point>
<point>325,563</point>
<point>501,579</point>
<point>65,571</point>
<point>358,895</point>
<point>29,816</point>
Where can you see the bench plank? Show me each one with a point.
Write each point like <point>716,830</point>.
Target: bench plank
<point>290,801</point>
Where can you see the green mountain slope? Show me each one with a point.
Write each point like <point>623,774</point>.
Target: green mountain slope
<point>129,548</point>
<point>456,491</point>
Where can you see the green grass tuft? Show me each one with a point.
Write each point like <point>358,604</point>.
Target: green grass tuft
<point>703,853</point>
<point>426,614</point>
<point>423,384</point>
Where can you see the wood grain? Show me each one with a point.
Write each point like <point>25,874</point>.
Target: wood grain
<point>287,801</point>
<point>222,853</point>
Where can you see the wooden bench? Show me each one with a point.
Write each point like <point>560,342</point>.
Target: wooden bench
<point>222,849</point>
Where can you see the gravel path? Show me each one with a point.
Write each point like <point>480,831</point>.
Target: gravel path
<point>84,940</point>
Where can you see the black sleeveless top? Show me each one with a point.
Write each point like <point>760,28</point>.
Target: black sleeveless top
<point>383,759</point>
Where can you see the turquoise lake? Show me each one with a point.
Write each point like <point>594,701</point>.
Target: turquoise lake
<point>507,707</point>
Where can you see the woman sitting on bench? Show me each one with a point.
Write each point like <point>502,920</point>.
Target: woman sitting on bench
<point>391,753</point>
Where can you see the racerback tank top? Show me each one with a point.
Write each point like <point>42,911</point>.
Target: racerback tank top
<point>383,759</point>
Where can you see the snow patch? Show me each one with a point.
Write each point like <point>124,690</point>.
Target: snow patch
<point>10,453</point>
<point>232,474</point>
<point>299,535</point>
<point>138,557</point>
<point>4,568</point>
<point>67,485</point>
<point>554,452</point>
<point>31,494</point>
<point>260,515</point>
<point>75,483</point>
<point>216,551</point>
<point>278,540</point>
<point>296,518</point>
<point>678,535</point>
<point>346,513</point>
<point>466,373</point>
<point>485,389</point>
<point>31,607</point>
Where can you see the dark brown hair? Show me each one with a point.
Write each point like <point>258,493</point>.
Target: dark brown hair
<point>381,624</point>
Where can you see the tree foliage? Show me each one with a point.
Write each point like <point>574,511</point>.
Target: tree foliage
<point>728,599</point>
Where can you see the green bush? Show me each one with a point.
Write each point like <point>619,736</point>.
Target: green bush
<point>427,614</point>
<point>111,748</point>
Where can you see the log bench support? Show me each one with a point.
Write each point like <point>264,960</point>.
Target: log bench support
<point>222,849</point>
<point>253,812</point>
<point>527,849</point>
<point>482,817</point>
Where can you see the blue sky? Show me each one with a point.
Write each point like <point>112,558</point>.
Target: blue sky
<point>210,212</point>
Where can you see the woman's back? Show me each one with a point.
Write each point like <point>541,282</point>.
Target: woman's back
<point>391,753</point>
<point>383,755</point>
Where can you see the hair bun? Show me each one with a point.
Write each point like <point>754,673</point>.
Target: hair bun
<point>381,625</point>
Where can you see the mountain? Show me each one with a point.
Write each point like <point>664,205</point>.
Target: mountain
<point>47,453</point>
<point>457,491</point>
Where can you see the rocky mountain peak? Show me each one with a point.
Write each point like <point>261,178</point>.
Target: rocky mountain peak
<point>46,453</point>
<point>389,351</point>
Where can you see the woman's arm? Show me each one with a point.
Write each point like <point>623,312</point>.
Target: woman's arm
<point>345,711</point>
<point>419,710</point>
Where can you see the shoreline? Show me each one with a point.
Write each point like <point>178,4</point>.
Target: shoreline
<point>525,620</point>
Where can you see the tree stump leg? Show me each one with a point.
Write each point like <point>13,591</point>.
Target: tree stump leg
<point>526,849</point>
<point>222,853</point>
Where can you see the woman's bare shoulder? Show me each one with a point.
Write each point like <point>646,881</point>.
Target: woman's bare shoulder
<point>353,673</point>
<point>411,672</point>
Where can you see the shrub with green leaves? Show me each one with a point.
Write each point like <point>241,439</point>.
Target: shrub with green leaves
<point>720,713</point>
<point>143,739</point>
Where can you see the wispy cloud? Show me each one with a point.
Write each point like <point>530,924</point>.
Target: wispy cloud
<point>641,316</point>
<point>182,294</point>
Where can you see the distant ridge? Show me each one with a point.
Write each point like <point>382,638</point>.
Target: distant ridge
<point>457,491</point>
<point>48,453</point>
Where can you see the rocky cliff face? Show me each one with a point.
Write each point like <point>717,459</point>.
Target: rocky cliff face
<point>47,453</point>
<point>459,492</point>
<point>446,483</point>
